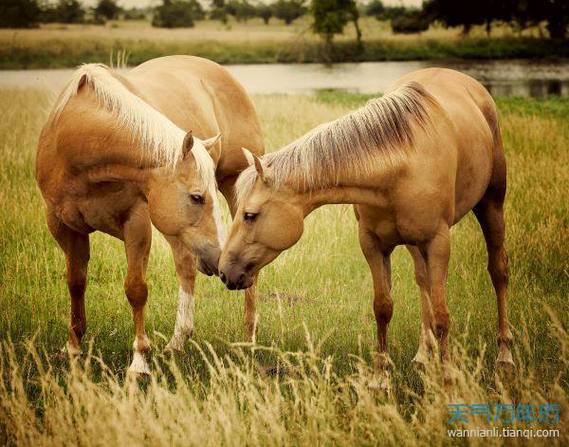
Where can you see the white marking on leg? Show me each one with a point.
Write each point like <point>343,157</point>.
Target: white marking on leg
<point>184,320</point>
<point>139,364</point>
<point>423,352</point>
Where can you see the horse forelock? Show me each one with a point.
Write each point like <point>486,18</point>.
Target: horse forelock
<point>380,132</point>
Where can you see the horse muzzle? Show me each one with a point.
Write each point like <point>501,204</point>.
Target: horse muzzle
<point>236,280</point>
<point>208,262</point>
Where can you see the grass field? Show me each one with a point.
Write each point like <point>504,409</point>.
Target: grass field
<point>316,319</point>
<point>55,46</point>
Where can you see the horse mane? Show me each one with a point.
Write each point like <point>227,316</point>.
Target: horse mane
<point>156,135</point>
<point>382,130</point>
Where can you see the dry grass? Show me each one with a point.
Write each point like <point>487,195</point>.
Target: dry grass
<point>308,381</point>
<point>70,45</point>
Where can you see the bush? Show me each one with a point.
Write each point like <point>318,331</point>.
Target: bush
<point>412,22</point>
<point>134,14</point>
<point>289,10</point>
<point>177,14</point>
<point>265,12</point>
<point>19,13</point>
<point>241,10</point>
<point>65,11</point>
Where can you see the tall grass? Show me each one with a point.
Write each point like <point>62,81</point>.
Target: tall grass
<point>308,381</point>
<point>71,45</point>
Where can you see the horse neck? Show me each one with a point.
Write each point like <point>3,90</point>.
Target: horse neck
<point>311,200</point>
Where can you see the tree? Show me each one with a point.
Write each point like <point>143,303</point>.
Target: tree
<point>242,10</point>
<point>19,13</point>
<point>331,16</point>
<point>177,14</point>
<point>218,11</point>
<point>265,12</point>
<point>289,10</point>
<point>413,21</point>
<point>68,11</point>
<point>107,9</point>
<point>375,9</point>
<point>557,16</point>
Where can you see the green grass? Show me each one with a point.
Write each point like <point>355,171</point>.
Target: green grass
<point>321,287</point>
<point>70,45</point>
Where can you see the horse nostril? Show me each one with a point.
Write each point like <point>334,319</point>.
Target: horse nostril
<point>241,279</point>
<point>222,277</point>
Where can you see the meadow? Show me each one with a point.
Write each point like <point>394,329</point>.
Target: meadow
<point>308,379</point>
<point>60,45</point>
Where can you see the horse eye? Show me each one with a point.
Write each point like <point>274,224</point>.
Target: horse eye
<point>250,217</point>
<point>197,199</point>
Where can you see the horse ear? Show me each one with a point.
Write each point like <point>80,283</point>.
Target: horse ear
<point>188,144</point>
<point>81,82</point>
<point>210,142</point>
<point>259,167</point>
<point>248,156</point>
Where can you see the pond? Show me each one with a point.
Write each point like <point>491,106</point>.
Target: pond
<point>526,78</point>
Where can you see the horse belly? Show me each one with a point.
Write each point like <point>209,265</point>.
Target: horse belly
<point>473,172</point>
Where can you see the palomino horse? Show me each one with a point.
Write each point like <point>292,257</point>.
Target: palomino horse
<point>114,157</point>
<point>413,162</point>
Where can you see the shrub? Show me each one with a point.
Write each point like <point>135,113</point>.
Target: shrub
<point>177,14</point>
<point>289,10</point>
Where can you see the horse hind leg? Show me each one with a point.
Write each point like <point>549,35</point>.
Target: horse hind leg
<point>490,215</point>
<point>76,248</point>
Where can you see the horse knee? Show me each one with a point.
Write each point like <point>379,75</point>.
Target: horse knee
<point>498,267</point>
<point>441,323</point>
<point>136,292</point>
<point>383,309</point>
<point>77,287</point>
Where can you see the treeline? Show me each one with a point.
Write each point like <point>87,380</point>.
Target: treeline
<point>520,14</point>
<point>183,13</point>
<point>329,17</point>
<point>30,13</point>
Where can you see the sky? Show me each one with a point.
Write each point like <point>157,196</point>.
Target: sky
<point>144,3</point>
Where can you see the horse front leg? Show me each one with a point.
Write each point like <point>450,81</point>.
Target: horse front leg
<point>422,278</point>
<point>436,252</point>
<point>76,248</point>
<point>186,270</point>
<point>137,240</point>
<point>378,258</point>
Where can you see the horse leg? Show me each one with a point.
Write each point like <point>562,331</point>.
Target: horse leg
<point>227,188</point>
<point>437,254</point>
<point>137,240</point>
<point>422,279</point>
<point>490,215</point>
<point>186,269</point>
<point>380,266</point>
<point>251,311</point>
<point>76,248</point>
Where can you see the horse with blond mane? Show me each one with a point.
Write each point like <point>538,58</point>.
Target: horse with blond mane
<point>122,152</point>
<point>413,162</point>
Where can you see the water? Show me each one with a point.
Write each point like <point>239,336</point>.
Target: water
<point>524,78</point>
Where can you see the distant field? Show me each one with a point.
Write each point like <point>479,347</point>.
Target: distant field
<point>54,46</point>
<point>316,318</point>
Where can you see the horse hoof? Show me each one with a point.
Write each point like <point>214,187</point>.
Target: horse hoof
<point>139,366</point>
<point>173,347</point>
<point>420,361</point>
<point>67,352</point>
